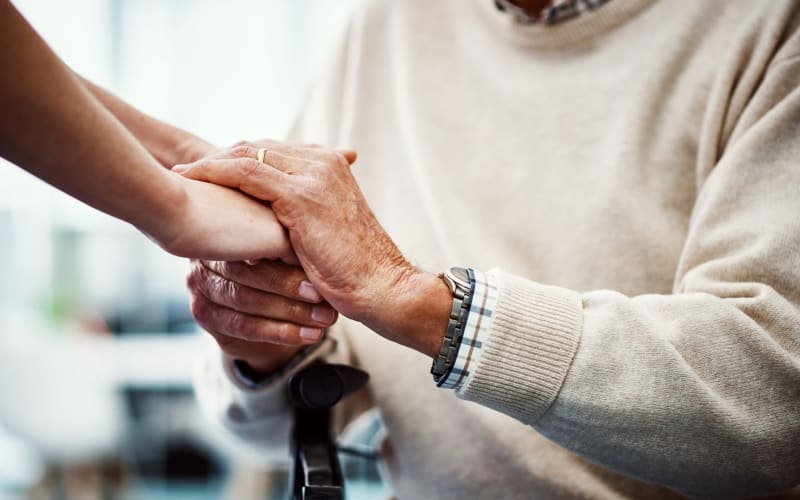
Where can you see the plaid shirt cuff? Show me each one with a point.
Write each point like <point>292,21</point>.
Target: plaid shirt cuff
<point>555,12</point>
<point>479,323</point>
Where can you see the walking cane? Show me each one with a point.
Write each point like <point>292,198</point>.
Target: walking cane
<point>316,473</point>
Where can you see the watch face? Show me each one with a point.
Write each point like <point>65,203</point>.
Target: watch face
<point>460,275</point>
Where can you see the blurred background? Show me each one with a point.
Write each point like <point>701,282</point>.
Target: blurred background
<point>97,347</point>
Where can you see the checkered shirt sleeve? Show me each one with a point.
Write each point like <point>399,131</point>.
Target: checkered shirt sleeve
<point>555,12</point>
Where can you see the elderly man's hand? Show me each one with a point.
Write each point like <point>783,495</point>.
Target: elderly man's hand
<point>343,249</point>
<point>262,313</point>
<point>213,222</point>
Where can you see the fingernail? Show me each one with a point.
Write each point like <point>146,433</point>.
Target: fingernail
<point>180,168</point>
<point>323,314</point>
<point>308,333</point>
<point>307,291</point>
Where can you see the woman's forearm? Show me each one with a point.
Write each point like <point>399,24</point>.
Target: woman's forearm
<point>53,127</point>
<point>168,144</point>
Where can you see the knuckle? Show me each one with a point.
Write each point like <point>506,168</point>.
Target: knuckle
<point>227,289</point>
<point>292,275</point>
<point>313,189</point>
<point>219,267</point>
<point>200,310</point>
<point>271,280</point>
<point>236,271</point>
<point>221,290</point>
<point>267,332</point>
<point>297,310</point>
<point>211,265</point>
<point>242,151</point>
<point>239,323</point>
<point>248,166</point>
<point>230,290</point>
<point>240,144</point>
<point>208,284</point>
<point>284,333</point>
<point>276,285</point>
<point>278,278</point>
<point>191,279</point>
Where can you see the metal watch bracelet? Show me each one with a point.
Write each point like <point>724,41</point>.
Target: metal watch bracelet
<point>461,286</point>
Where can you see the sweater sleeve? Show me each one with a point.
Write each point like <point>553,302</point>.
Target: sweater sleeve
<point>259,415</point>
<point>697,390</point>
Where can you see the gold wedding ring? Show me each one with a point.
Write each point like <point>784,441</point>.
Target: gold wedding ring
<point>260,155</point>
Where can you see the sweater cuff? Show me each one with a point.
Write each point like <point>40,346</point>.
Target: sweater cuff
<point>533,339</point>
<point>252,402</point>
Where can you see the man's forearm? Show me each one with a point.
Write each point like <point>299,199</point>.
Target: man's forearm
<point>170,145</point>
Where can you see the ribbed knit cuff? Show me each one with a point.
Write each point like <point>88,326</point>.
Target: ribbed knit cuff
<point>529,350</point>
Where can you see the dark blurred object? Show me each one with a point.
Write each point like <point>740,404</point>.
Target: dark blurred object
<point>313,391</point>
<point>161,315</point>
<point>161,450</point>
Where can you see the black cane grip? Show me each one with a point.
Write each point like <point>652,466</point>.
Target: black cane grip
<point>320,386</point>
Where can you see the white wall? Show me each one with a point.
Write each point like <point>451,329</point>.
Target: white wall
<point>226,70</point>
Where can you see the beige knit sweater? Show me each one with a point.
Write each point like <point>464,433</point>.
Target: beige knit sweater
<point>636,173</point>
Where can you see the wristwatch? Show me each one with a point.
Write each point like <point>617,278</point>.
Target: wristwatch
<point>460,283</point>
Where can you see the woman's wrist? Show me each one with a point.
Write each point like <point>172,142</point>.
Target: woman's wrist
<point>190,149</point>
<point>165,220</point>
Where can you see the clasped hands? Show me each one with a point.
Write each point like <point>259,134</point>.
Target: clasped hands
<point>341,261</point>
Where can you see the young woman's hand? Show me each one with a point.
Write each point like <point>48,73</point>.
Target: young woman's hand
<point>219,223</point>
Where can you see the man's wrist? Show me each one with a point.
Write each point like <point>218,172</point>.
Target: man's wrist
<point>251,378</point>
<point>413,312</point>
<point>267,365</point>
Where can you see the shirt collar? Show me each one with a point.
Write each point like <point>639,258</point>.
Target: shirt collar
<point>555,12</point>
